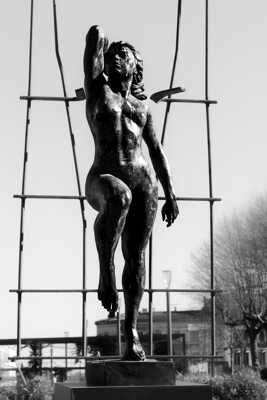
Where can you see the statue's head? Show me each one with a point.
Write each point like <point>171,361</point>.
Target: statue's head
<point>122,61</point>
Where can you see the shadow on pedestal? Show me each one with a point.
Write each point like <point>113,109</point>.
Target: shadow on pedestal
<point>125,373</point>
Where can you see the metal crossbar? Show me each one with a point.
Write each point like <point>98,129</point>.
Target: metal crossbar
<point>60,197</point>
<point>50,98</point>
<point>204,101</point>
<point>119,290</point>
<point>158,97</point>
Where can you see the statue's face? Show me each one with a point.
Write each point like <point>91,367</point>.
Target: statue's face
<point>121,61</point>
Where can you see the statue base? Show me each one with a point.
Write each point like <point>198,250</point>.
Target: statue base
<point>131,380</point>
<point>125,373</point>
<point>183,391</point>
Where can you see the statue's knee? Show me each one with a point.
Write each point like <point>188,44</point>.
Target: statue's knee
<point>135,260</point>
<point>122,200</point>
<point>141,273</point>
<point>138,281</point>
<point>126,199</point>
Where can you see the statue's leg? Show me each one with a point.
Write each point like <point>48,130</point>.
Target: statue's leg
<point>135,236</point>
<point>112,198</point>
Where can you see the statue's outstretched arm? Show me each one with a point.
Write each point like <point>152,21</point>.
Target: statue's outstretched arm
<point>161,166</point>
<point>93,60</point>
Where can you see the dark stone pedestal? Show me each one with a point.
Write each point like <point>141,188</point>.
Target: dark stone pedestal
<point>69,391</point>
<point>131,380</point>
<point>127,373</point>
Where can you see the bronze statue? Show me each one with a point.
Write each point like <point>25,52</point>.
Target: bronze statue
<point>120,185</point>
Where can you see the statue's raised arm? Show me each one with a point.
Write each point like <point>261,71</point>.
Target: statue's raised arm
<point>93,60</point>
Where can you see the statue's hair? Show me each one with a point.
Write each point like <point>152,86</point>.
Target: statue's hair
<point>137,88</point>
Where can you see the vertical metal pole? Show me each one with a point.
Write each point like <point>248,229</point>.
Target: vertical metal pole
<point>85,346</point>
<point>119,330</point>
<point>84,295</point>
<point>184,344</point>
<point>150,296</point>
<point>169,323</point>
<point>22,208</point>
<point>66,360</point>
<point>168,105</point>
<point>167,110</point>
<point>66,101</point>
<point>51,363</point>
<point>66,355</point>
<point>212,280</point>
<point>40,359</point>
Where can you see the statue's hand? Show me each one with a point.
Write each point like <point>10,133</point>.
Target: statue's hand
<point>98,38</point>
<point>106,44</point>
<point>169,211</point>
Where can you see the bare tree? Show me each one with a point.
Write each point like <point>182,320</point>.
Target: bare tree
<point>240,270</point>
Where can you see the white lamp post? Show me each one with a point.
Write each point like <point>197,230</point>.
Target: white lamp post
<point>66,334</point>
<point>167,277</point>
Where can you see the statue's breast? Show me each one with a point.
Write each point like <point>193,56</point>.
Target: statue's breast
<point>107,110</point>
<point>113,108</point>
<point>134,112</point>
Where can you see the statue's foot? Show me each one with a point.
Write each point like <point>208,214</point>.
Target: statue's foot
<point>134,350</point>
<point>134,354</point>
<point>108,296</point>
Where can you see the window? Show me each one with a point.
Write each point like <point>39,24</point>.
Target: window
<point>237,358</point>
<point>262,337</point>
<point>246,358</point>
<point>262,358</point>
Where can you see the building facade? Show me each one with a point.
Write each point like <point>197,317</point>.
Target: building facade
<point>191,334</point>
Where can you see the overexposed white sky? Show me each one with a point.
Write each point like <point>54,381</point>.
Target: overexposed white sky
<point>52,256</point>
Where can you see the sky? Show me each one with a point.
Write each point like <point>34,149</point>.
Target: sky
<point>52,245</point>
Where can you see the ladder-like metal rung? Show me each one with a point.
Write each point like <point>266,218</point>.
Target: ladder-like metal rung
<point>190,101</point>
<point>209,199</point>
<point>51,197</point>
<point>51,98</point>
<point>80,96</point>
<point>119,290</point>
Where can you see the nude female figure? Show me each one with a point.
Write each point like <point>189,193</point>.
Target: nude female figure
<point>120,185</point>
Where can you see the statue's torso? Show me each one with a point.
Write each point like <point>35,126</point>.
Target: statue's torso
<point>117,126</point>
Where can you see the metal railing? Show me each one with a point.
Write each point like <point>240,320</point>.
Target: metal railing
<point>29,98</point>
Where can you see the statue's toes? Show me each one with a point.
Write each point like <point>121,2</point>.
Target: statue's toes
<point>105,302</point>
<point>111,314</point>
<point>134,355</point>
<point>138,350</point>
<point>142,355</point>
<point>105,305</point>
<point>109,300</point>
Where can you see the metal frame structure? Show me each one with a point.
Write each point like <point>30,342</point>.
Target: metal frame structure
<point>29,98</point>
